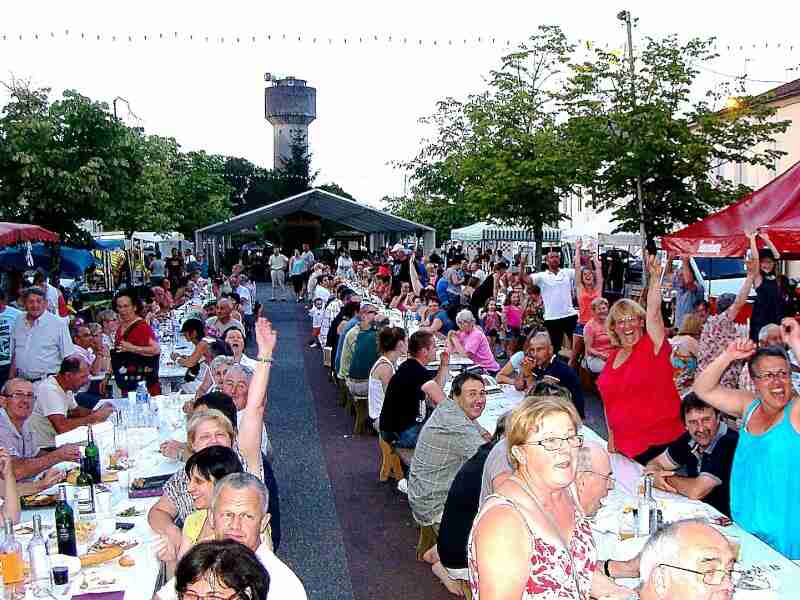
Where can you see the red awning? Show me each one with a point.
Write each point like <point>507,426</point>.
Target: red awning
<point>775,209</point>
<point>16,233</point>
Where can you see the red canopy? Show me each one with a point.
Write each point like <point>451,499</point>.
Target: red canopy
<point>775,209</point>
<point>16,233</point>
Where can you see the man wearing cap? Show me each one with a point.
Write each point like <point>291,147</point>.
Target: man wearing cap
<point>39,341</point>
<point>360,351</point>
<point>401,268</point>
<point>720,330</point>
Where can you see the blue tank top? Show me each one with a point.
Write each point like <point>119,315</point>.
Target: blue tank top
<point>765,486</point>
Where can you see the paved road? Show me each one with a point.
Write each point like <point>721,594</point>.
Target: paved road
<point>345,534</point>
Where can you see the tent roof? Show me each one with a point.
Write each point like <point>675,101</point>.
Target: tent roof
<point>487,232</point>
<point>775,209</point>
<point>326,206</point>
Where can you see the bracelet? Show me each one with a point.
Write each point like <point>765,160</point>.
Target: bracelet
<point>267,361</point>
<point>605,568</point>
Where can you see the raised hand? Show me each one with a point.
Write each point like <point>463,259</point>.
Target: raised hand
<point>654,267</point>
<point>790,333</point>
<point>740,349</point>
<point>266,338</point>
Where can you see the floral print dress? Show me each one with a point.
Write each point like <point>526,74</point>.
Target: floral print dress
<point>550,573</point>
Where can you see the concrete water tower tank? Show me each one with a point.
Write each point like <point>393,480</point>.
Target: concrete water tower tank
<point>290,105</point>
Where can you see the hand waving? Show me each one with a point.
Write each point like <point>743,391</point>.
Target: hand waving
<point>790,333</point>
<point>266,338</point>
<point>740,349</point>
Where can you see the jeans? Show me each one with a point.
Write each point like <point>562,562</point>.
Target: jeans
<point>404,439</point>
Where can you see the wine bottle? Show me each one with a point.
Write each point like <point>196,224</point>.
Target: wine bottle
<point>11,555</point>
<point>65,525</point>
<point>39,560</point>
<point>92,455</point>
<point>85,489</point>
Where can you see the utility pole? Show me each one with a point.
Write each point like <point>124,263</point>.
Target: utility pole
<point>625,15</point>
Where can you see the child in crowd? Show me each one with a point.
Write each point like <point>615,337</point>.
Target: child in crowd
<point>316,313</point>
<point>512,318</point>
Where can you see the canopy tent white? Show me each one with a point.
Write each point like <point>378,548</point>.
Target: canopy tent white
<point>488,232</point>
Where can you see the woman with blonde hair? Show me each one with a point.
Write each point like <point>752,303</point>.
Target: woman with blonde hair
<point>641,403</point>
<point>531,538</point>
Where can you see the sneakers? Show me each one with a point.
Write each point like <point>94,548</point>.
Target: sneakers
<point>402,486</point>
<point>312,344</point>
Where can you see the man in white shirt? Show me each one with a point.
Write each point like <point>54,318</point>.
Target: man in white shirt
<point>239,512</point>
<point>8,317</point>
<point>245,301</point>
<point>39,341</point>
<point>278,263</point>
<point>55,410</point>
<point>51,292</point>
<point>560,316</point>
<point>322,289</point>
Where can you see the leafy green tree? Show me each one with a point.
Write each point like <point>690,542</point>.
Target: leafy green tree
<point>437,212</point>
<point>335,188</point>
<point>503,153</point>
<point>201,196</point>
<point>651,128</point>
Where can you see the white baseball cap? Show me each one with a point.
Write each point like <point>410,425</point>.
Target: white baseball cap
<point>398,248</point>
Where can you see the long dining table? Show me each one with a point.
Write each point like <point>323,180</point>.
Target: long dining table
<point>782,574</point>
<point>142,441</point>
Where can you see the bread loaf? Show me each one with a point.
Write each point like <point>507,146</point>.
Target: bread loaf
<point>101,556</point>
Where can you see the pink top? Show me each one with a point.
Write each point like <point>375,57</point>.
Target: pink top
<point>585,298</point>
<point>477,348</point>
<point>513,315</point>
<point>601,342</point>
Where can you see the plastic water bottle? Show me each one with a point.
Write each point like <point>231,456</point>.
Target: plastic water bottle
<point>142,395</point>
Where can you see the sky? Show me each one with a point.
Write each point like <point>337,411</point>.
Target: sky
<point>370,94</point>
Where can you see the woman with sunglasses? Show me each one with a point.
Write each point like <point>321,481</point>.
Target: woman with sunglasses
<point>639,396</point>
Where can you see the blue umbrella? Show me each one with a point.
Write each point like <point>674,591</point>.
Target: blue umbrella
<point>74,261</point>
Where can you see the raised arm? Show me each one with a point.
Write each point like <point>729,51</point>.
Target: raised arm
<point>742,296</point>
<point>577,263</point>
<point>753,266</point>
<point>414,274</point>
<point>598,271</point>
<point>768,243</point>
<point>707,385</point>
<point>253,418</point>
<point>654,320</point>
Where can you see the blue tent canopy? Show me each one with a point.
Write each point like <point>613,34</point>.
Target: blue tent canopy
<point>109,244</point>
<point>74,261</point>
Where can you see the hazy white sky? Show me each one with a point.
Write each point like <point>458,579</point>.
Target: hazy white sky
<point>370,94</point>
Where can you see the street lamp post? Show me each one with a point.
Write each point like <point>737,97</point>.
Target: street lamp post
<point>625,16</point>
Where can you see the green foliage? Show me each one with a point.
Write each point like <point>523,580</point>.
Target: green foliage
<point>649,127</point>
<point>70,160</point>
<point>439,213</point>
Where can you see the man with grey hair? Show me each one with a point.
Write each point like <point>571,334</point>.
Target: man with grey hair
<point>239,512</point>
<point>39,341</point>
<point>217,326</point>
<point>688,560</point>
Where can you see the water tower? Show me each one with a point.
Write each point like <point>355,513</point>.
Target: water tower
<point>290,105</point>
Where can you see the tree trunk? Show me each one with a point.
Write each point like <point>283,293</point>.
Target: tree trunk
<point>538,236</point>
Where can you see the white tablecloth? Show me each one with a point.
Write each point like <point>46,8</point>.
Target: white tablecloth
<point>139,580</point>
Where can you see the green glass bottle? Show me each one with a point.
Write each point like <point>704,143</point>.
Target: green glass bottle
<point>92,456</point>
<point>85,489</point>
<point>65,525</point>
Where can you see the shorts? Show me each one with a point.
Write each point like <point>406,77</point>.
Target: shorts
<point>579,329</point>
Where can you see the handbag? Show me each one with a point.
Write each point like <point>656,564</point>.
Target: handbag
<point>130,368</point>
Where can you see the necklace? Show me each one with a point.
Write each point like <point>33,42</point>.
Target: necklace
<point>526,488</point>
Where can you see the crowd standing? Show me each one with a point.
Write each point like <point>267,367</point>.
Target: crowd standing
<point>705,405</point>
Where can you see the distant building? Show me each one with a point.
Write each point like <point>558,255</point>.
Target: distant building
<point>290,106</point>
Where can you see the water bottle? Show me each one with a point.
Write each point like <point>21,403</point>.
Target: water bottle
<point>142,395</point>
<point>39,560</point>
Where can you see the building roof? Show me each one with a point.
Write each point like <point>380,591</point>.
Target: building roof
<point>783,91</point>
<point>325,205</point>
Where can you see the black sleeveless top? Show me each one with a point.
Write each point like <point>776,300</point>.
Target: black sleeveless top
<point>768,307</point>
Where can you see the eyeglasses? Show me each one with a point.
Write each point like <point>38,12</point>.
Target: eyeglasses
<point>21,396</point>
<point>715,577</point>
<point>553,444</point>
<point>626,321</point>
<point>609,478</point>
<point>190,595</point>
<point>781,375</point>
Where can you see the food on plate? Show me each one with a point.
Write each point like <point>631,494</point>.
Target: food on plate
<point>99,557</point>
<point>131,511</point>
<point>109,477</point>
<point>39,500</point>
<point>126,561</point>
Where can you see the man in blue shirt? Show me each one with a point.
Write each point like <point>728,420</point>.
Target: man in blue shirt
<point>546,364</point>
<point>688,291</point>
<point>8,316</point>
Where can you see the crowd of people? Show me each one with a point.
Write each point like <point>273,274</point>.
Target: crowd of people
<point>706,406</point>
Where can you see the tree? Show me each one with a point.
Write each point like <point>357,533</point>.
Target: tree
<point>435,212</point>
<point>201,195</point>
<point>503,153</point>
<point>335,188</point>
<point>623,129</point>
<point>296,175</point>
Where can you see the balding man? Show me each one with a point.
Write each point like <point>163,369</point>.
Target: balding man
<point>688,560</point>
<point>40,340</point>
<point>217,326</point>
<point>56,410</point>
<point>547,364</point>
<point>17,437</point>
